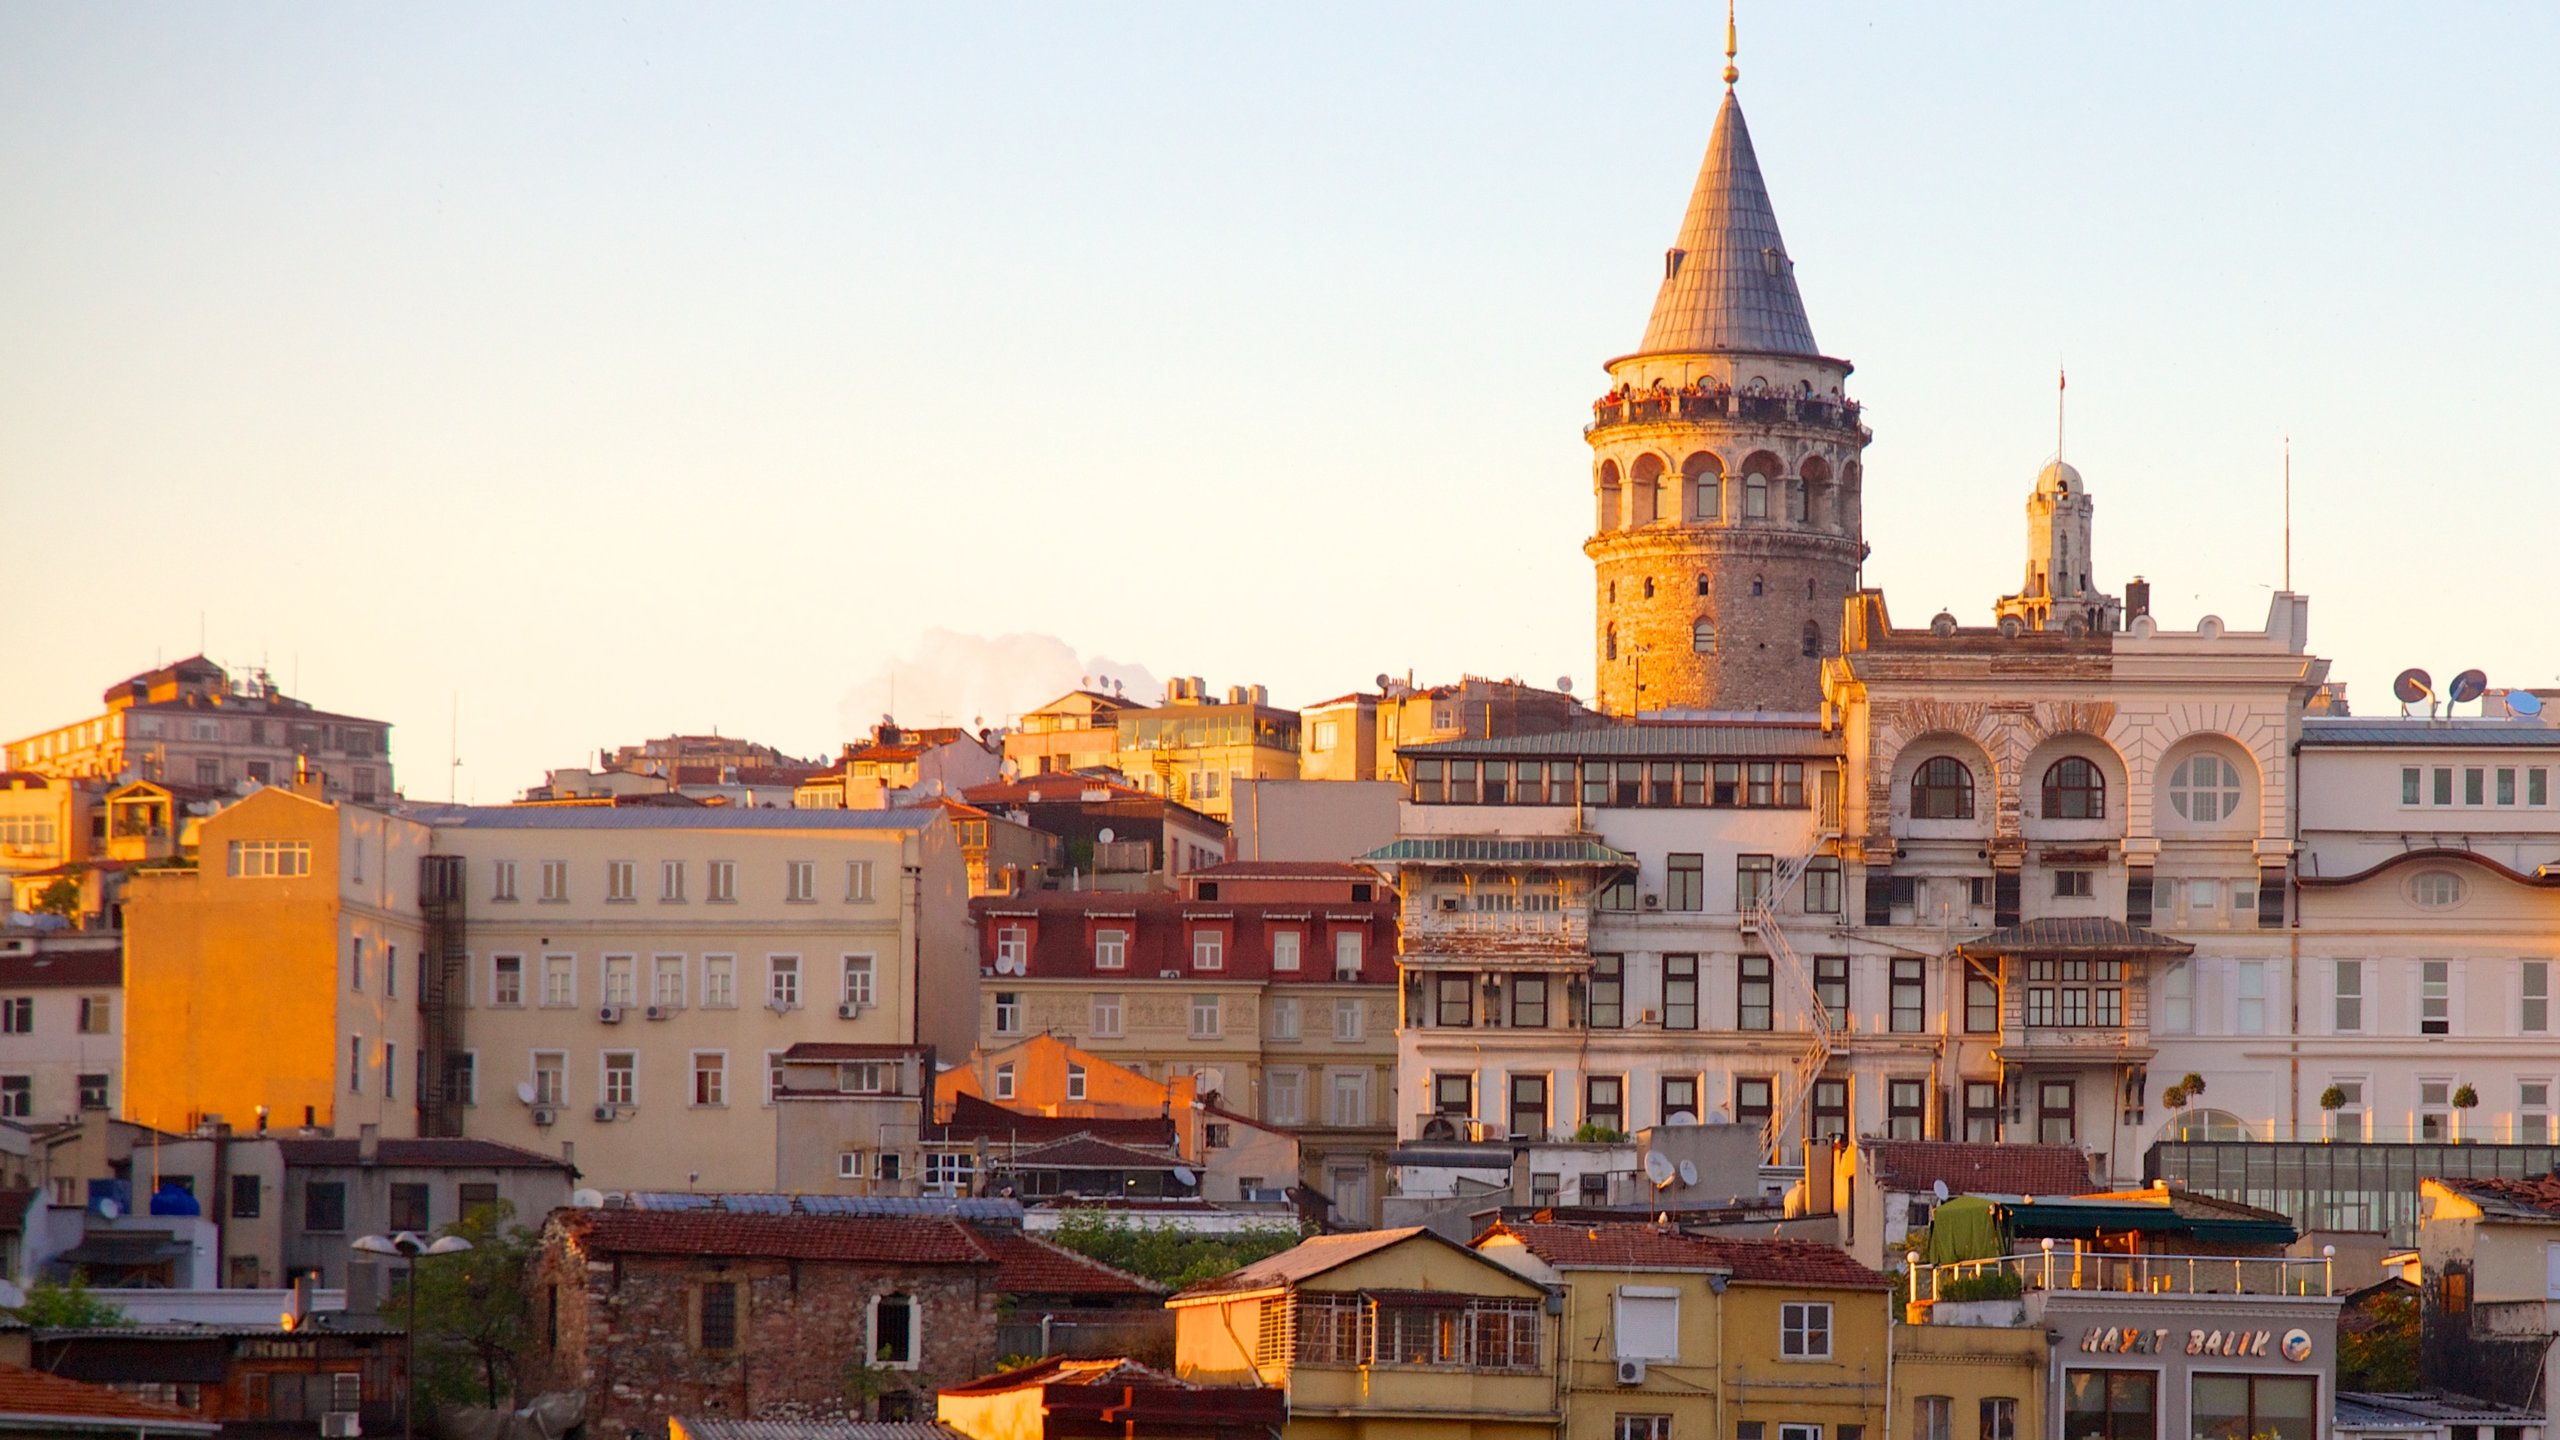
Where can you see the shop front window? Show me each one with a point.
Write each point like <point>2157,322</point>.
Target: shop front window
<point>2251,1407</point>
<point>2110,1405</point>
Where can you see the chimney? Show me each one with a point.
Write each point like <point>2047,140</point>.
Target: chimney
<point>2137,598</point>
<point>569,1153</point>
<point>368,1143</point>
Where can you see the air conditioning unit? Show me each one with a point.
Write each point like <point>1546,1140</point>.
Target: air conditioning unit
<point>341,1425</point>
<point>659,1012</point>
<point>611,1014</point>
<point>545,1115</point>
<point>848,1010</point>
<point>1168,974</point>
<point>1653,902</point>
<point>1630,1372</point>
<point>605,1113</point>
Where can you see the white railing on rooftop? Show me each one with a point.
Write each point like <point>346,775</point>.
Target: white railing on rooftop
<point>2072,1268</point>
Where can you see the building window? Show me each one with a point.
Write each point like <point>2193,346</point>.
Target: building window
<point>1004,1081</point>
<point>1830,1106</point>
<point>246,1197</point>
<point>97,1014</point>
<point>1982,1112</point>
<point>2347,979</point>
<point>2178,998</point>
<point>1822,886</point>
<point>1106,1017</point>
<point>800,881</point>
<point>1349,1019</point>
<point>1680,1100</point>
<point>893,1331</point>
<point>1907,1109</point>
<point>2346,1122</point>
<point>1754,994</point>
<point>324,1206</point>
<point>1685,882</point>
<point>719,1328</point>
<point>1942,790</point>
<point>1754,1100</point>
<point>1204,1017</point>
<point>1075,1081</point>
<point>559,980</point>
<point>1529,1002</point>
<point>269,859</point>
<point>1453,1001</point>
<point>1642,1427</point>
<point>390,1070</point>
<point>710,1077</point>
<point>1933,1418</point>
<point>619,886</point>
<point>1981,1003</point>
<point>2278,1406</point>
<point>1754,878</point>
<point>1804,1330</point>
<point>18,1015</point>
<point>355,1064</point>
<point>555,881</point>
<point>2075,789</point>
<point>1755,499</point>
<point>2437,889</point>
<point>1284,1017</point>
<point>2074,993</point>
<point>506,981</point>
<point>1286,1097</point>
<point>1679,992</point>
<point>857,990</point>
<point>782,982</point>
<point>721,882</point>
<point>550,1077</point>
<point>671,882</point>
<point>2000,1418</point>
<point>2435,997</point>
<point>2057,1114</point>
<point>621,1078</point>
<point>1350,1098</point>
<point>2533,1015</point>
<point>2204,789</point>
<point>857,882</point>
<point>719,982</point>
<point>666,982</point>
<point>409,1209</point>
<point>2533,1112</point>
<point>1606,1009</point>
<point>2074,884</point>
<point>2473,790</point>
<point>1702,632</point>
<point>1604,1103</point>
<point>93,1090</point>
<point>1910,996</point>
<point>2409,788</point>
<point>17,1097</point>
<point>355,965</point>
<point>502,880</point>
<point>1284,950</point>
<point>1831,988</point>
<point>1529,1107</point>
<point>2435,1110</point>
<point>617,979</point>
<point>1208,950</point>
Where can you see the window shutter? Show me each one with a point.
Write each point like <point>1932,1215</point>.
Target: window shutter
<point>1648,1323</point>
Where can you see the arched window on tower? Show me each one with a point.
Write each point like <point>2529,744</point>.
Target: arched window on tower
<point>1812,639</point>
<point>1755,497</point>
<point>1648,587</point>
<point>1613,642</point>
<point>1702,582</point>
<point>1702,636</point>
<point>1758,588</point>
<point>1942,790</point>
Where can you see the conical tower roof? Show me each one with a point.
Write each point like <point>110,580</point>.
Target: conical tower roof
<point>1733,287</point>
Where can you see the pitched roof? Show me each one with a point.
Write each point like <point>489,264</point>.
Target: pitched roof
<point>1033,1266</point>
<point>79,1407</point>
<point>428,1153</point>
<point>1064,1370</point>
<point>2094,935</point>
<point>20,972</point>
<point>975,1119</point>
<point>1645,1245</point>
<point>1975,1169</point>
<point>1084,1152</point>
<point>1307,1259</point>
<point>2534,1199</point>
<point>1500,849</point>
<point>861,1240</point>
<point>1734,288</point>
<point>2360,732</point>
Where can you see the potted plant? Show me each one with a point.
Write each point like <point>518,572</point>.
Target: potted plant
<point>2465,1100</point>
<point>2332,1100</point>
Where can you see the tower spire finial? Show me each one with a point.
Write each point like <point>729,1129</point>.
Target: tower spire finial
<point>1732,47</point>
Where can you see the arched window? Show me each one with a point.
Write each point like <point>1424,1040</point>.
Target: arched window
<point>1808,587</point>
<point>1942,790</point>
<point>1755,497</point>
<point>2075,789</point>
<point>1702,582</point>
<point>1648,587</point>
<point>1812,639</point>
<point>1795,501</point>
<point>1702,636</point>
<point>1710,498</point>
<point>1613,642</point>
<point>1757,586</point>
<point>2204,788</point>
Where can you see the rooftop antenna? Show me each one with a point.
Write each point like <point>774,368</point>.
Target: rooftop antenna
<point>2061,390</point>
<point>1732,48</point>
<point>453,750</point>
<point>2288,514</point>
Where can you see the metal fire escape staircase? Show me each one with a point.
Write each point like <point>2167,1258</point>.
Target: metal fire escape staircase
<point>1760,921</point>
<point>442,986</point>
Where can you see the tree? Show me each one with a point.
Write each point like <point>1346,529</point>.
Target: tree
<point>2378,1343</point>
<point>62,898</point>
<point>67,1307</point>
<point>473,1316</point>
<point>1170,1257</point>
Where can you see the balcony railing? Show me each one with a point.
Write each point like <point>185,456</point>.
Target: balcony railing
<point>2070,1268</point>
<point>1472,933</point>
<point>1666,406</point>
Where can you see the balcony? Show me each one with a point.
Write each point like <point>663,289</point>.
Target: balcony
<point>2064,1268</point>
<point>1664,407</point>
<point>1466,937</point>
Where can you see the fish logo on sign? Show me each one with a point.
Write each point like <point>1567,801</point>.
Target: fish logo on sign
<point>2297,1345</point>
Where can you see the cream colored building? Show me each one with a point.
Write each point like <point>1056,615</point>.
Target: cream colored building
<point>1077,731</point>
<point>191,723</point>
<point>1196,748</point>
<point>61,1025</point>
<point>635,974</point>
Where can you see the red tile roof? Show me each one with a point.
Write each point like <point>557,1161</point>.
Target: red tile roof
<point>1643,1245</point>
<point>431,1153</point>
<point>1158,933</point>
<point>2537,1197</point>
<point>860,1240</point>
<point>976,1119</point>
<point>26,1393</point>
<point>1033,1266</point>
<point>1973,1169</point>
<point>1084,1152</point>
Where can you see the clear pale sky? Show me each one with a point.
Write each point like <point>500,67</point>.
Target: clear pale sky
<point>630,369</point>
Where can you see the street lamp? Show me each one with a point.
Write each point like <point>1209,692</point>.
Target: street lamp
<point>412,1247</point>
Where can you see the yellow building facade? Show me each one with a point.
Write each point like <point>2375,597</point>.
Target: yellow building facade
<point>275,980</point>
<point>1380,1333</point>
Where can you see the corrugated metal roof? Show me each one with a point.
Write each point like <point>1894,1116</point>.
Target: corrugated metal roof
<point>1496,849</point>
<point>883,1206</point>
<point>651,817</point>
<point>2075,934</point>
<point>2431,734</point>
<point>1649,740</point>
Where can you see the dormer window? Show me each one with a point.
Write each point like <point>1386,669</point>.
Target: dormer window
<point>1774,261</point>
<point>1671,262</point>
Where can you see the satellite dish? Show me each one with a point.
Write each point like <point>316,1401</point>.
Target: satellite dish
<point>1657,1168</point>
<point>2468,686</point>
<point>2412,685</point>
<point>2523,702</point>
<point>1939,1189</point>
<point>586,1199</point>
<point>1105,834</point>
<point>1010,771</point>
<point>109,1209</point>
<point>1688,1172</point>
<point>1382,679</point>
<point>1183,1174</point>
<point>1564,684</point>
<point>525,1091</point>
<point>1681,1117</point>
